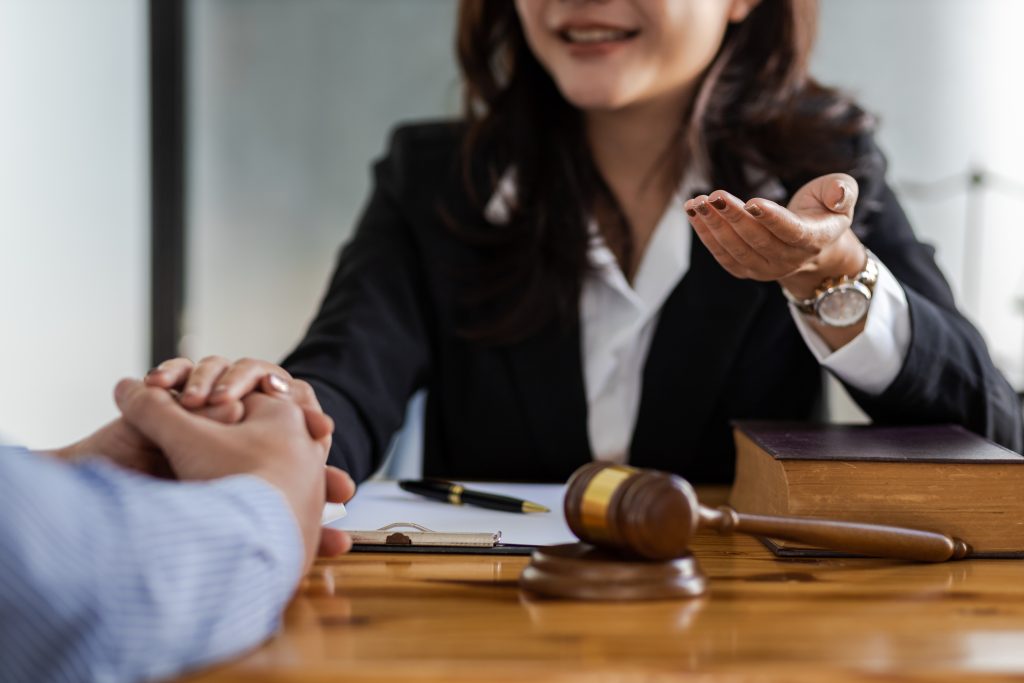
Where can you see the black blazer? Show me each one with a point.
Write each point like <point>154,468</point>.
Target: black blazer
<point>724,348</point>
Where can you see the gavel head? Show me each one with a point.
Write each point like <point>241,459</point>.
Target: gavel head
<point>639,513</point>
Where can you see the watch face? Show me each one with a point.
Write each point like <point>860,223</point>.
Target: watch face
<point>844,305</point>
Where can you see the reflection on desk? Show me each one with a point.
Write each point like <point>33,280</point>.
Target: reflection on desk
<point>462,618</point>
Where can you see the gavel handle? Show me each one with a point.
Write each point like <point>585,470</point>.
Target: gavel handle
<point>874,540</point>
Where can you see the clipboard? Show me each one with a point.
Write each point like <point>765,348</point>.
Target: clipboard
<point>412,537</point>
<point>380,510</point>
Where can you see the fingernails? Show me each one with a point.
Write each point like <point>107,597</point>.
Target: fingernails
<point>220,388</point>
<point>152,371</point>
<point>702,209</point>
<point>718,203</point>
<point>691,213</point>
<point>754,210</point>
<point>277,384</point>
<point>842,198</point>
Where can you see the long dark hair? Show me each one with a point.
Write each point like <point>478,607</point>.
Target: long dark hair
<point>756,109</point>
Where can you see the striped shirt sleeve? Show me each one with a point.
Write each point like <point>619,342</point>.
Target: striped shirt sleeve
<point>106,575</point>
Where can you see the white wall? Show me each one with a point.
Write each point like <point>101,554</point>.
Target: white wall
<point>73,212</point>
<point>289,104</point>
<point>943,75</point>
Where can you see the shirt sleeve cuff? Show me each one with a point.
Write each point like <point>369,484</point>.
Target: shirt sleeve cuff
<point>871,360</point>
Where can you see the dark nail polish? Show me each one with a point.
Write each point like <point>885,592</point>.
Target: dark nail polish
<point>718,203</point>
<point>754,210</point>
<point>691,213</point>
<point>703,209</point>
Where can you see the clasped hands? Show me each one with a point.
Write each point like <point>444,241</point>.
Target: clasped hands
<point>262,422</point>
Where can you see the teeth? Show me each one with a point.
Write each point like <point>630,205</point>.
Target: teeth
<point>595,35</point>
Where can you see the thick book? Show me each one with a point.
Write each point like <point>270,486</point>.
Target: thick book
<point>936,478</point>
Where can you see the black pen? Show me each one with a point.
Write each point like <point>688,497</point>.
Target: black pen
<point>456,494</point>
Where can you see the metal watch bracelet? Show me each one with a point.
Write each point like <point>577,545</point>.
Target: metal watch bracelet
<point>864,282</point>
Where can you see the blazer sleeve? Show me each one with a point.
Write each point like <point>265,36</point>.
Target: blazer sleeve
<point>367,350</point>
<point>947,375</point>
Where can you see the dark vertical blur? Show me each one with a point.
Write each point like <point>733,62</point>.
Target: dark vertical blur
<point>167,180</point>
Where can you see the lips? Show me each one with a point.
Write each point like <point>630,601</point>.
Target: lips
<point>595,35</point>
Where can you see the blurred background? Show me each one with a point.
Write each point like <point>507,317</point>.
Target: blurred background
<point>285,105</point>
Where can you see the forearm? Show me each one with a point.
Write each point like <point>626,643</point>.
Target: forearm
<point>131,578</point>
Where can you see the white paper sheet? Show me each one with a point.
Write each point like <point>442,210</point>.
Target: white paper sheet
<point>378,503</point>
<point>332,512</point>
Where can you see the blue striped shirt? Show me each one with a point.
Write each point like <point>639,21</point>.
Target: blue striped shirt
<point>110,576</point>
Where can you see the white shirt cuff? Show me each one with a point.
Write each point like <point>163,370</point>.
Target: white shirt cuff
<point>871,360</point>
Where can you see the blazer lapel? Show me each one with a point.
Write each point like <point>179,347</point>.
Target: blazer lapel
<point>548,373</point>
<point>700,331</point>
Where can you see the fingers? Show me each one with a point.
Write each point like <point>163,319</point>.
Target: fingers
<point>728,231</point>
<point>303,394</point>
<point>782,223</point>
<point>156,414</point>
<point>219,383</point>
<point>333,542</point>
<point>273,383</point>
<point>828,201</point>
<point>762,240</point>
<point>225,413</point>
<point>839,193</point>
<point>697,209</point>
<point>340,487</point>
<point>214,379</point>
<point>193,381</point>
<point>756,231</point>
<point>280,407</point>
<point>171,374</point>
<point>319,425</point>
<point>246,375</point>
<point>261,406</point>
<point>206,374</point>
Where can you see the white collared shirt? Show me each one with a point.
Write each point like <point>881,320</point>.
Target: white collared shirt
<point>618,320</point>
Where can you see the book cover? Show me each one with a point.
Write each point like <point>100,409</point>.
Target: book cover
<point>937,478</point>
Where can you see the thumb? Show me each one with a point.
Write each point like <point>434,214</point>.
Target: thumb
<point>156,414</point>
<point>838,193</point>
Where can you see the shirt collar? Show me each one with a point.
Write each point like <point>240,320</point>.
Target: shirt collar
<point>665,261</point>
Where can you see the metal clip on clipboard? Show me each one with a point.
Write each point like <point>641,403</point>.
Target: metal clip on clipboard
<point>423,537</point>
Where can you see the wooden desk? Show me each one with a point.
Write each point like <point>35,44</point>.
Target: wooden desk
<point>377,617</point>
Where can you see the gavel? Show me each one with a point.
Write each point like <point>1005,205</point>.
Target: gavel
<point>652,515</point>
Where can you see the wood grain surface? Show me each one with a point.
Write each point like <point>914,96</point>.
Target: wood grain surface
<point>384,617</point>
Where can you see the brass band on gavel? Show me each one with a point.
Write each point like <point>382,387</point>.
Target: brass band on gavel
<point>643,513</point>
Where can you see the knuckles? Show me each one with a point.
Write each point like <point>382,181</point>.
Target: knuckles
<point>303,390</point>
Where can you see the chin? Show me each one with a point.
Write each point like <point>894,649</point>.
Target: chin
<point>595,99</point>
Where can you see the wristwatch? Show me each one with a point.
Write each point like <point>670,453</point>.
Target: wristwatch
<point>843,301</point>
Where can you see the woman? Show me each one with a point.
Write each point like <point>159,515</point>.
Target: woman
<point>533,266</point>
